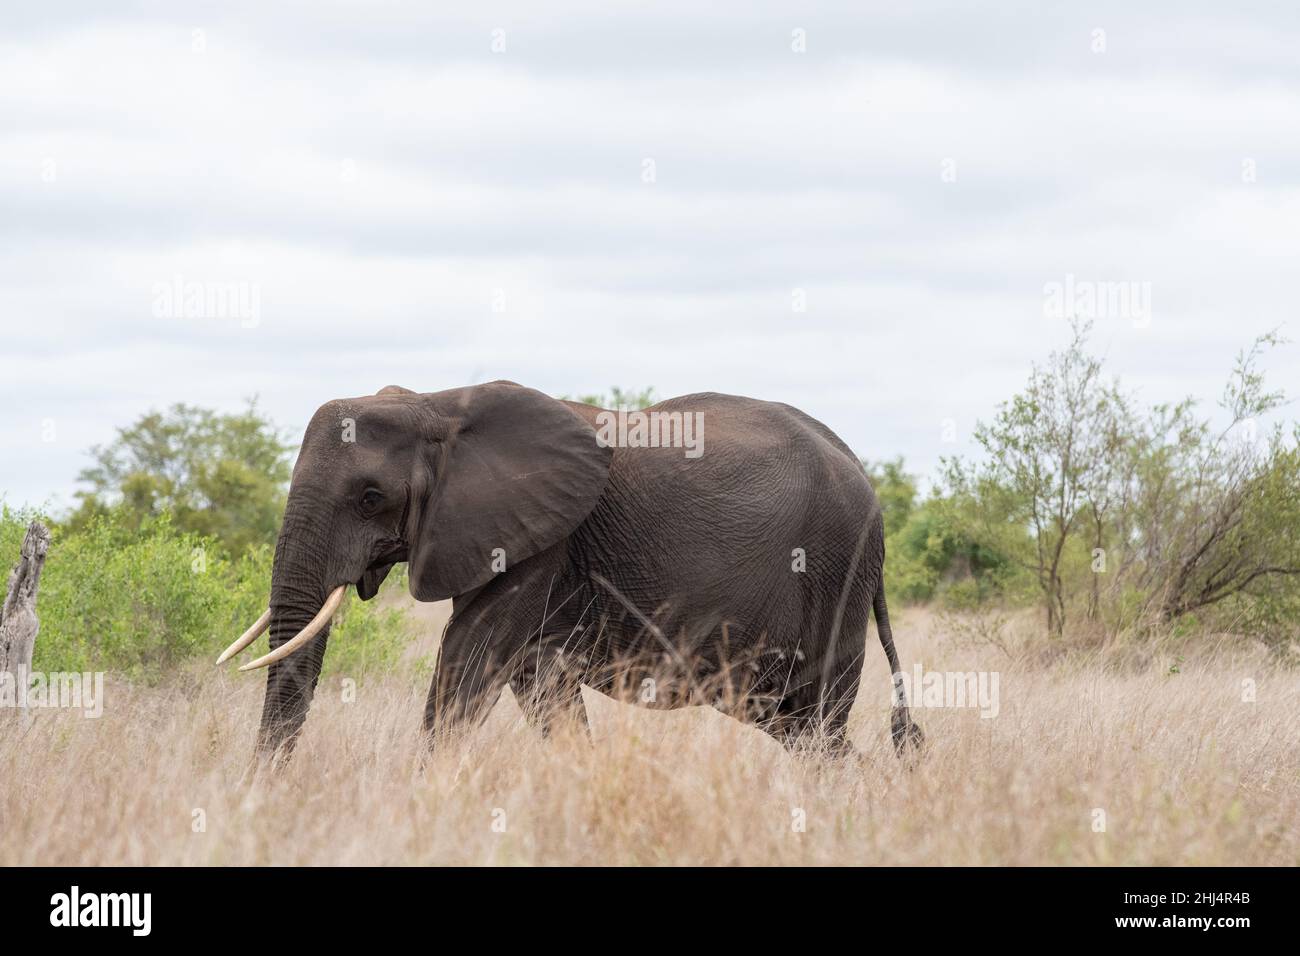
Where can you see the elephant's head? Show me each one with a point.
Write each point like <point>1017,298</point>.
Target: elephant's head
<point>439,480</point>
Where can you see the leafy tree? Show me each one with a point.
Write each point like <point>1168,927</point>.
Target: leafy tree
<point>1165,513</point>
<point>1221,515</point>
<point>1048,452</point>
<point>218,475</point>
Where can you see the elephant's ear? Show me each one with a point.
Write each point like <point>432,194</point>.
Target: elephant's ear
<point>394,390</point>
<point>515,472</point>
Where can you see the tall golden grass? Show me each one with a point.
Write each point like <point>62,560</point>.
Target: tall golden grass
<point>1183,769</point>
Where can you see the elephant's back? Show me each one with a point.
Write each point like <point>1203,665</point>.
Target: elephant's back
<point>741,423</point>
<point>764,529</point>
<point>752,441</point>
<point>764,479</point>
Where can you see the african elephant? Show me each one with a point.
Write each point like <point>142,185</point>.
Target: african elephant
<point>573,541</point>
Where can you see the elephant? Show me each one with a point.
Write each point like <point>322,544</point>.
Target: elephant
<point>740,572</point>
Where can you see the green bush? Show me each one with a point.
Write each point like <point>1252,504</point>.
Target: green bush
<point>141,600</point>
<point>368,638</point>
<point>929,556</point>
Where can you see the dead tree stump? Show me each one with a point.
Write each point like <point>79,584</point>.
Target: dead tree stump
<point>18,623</point>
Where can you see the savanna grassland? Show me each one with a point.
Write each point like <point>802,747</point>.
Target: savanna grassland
<point>1129,574</point>
<point>1159,740</point>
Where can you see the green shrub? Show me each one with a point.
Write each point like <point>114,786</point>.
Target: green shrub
<point>367,637</point>
<point>930,555</point>
<point>140,601</point>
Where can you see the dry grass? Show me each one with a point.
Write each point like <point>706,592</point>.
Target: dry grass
<point>1185,771</point>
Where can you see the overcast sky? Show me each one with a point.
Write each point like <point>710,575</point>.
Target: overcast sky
<point>854,208</point>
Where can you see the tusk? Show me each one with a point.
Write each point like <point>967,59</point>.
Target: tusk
<point>306,634</point>
<point>248,637</point>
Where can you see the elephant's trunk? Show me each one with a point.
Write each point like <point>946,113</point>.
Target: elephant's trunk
<point>298,590</point>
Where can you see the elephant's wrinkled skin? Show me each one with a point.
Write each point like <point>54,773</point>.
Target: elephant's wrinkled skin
<point>742,577</point>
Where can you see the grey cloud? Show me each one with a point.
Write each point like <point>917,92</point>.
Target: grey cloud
<point>521,172</point>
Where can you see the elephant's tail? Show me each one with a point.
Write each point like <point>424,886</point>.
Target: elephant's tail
<point>903,729</point>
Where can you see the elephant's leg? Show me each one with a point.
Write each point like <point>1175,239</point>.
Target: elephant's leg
<point>793,730</point>
<point>814,712</point>
<point>493,640</point>
<point>562,706</point>
<point>548,683</point>
<point>467,682</point>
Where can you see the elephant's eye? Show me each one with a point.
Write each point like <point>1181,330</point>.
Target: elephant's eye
<point>370,498</point>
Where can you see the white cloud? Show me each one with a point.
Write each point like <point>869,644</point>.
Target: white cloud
<point>381,176</point>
